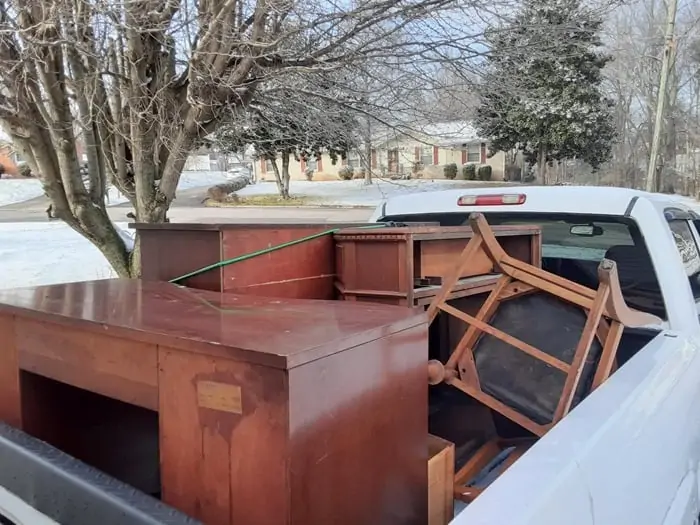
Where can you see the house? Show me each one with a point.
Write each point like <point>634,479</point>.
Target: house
<point>432,147</point>
<point>398,151</point>
<point>8,159</point>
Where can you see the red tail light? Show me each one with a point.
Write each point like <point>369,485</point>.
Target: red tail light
<point>491,200</point>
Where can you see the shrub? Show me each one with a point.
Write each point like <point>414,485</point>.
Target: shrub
<point>529,175</point>
<point>513,173</point>
<point>359,173</point>
<point>346,173</point>
<point>484,172</point>
<point>469,172</point>
<point>417,167</point>
<point>450,171</point>
<point>309,173</point>
<point>24,169</point>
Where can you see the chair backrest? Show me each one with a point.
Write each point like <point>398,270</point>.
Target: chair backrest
<point>539,343</point>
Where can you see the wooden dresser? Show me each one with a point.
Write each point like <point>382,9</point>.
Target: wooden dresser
<point>301,271</point>
<point>234,409</point>
<point>405,265</point>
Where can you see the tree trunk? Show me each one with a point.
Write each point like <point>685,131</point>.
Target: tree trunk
<point>285,175</point>
<point>368,152</point>
<point>278,177</point>
<point>282,176</point>
<point>542,163</point>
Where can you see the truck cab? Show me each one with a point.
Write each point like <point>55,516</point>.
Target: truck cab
<point>630,452</point>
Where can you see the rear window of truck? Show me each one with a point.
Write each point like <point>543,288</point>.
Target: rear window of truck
<point>576,257</point>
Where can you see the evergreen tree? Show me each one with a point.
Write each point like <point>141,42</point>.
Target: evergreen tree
<point>542,92</point>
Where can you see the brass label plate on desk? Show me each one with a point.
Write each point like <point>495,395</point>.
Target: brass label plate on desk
<point>219,396</point>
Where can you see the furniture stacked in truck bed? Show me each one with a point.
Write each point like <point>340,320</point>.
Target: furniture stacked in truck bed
<point>524,344</point>
<point>493,421</point>
<point>243,408</point>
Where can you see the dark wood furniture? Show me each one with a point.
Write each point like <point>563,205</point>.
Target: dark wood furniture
<point>406,265</point>
<point>302,271</point>
<point>234,409</point>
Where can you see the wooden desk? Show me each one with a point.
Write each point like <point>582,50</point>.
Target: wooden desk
<point>302,271</point>
<point>259,411</point>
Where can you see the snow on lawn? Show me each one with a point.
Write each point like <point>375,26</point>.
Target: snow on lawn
<point>19,190</point>
<point>188,180</point>
<point>33,253</point>
<point>13,191</point>
<point>355,192</point>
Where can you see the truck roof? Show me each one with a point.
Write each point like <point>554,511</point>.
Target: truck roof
<point>594,200</point>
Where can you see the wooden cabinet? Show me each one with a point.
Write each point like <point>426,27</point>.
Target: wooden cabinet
<point>405,265</point>
<point>234,409</point>
<point>301,271</point>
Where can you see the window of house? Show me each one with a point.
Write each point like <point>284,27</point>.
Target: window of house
<point>354,160</point>
<point>311,164</point>
<point>474,153</point>
<point>268,166</point>
<point>426,155</point>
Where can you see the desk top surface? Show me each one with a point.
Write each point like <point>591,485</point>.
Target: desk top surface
<point>281,333</point>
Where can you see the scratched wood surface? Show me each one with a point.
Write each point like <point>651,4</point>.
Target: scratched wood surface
<point>223,429</point>
<point>358,425</point>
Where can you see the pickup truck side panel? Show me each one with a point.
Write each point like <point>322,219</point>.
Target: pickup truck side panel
<point>629,454</point>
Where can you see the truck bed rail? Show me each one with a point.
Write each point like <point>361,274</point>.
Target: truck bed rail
<point>68,491</point>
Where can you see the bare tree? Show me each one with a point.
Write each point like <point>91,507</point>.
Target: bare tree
<point>146,80</point>
<point>635,38</point>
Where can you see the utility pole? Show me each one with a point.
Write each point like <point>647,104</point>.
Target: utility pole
<point>652,173</point>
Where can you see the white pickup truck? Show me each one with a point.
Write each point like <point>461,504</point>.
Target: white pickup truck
<point>629,454</point>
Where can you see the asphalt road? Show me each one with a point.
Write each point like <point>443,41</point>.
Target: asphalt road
<point>188,208</point>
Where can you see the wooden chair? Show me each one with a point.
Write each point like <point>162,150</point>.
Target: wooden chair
<point>598,315</point>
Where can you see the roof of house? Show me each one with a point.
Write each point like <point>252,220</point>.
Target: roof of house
<point>451,133</point>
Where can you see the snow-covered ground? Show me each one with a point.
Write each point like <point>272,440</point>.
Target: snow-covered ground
<point>19,190</point>
<point>353,192</point>
<point>33,253</point>
<point>690,202</point>
<point>339,193</point>
<point>188,180</point>
<point>13,191</point>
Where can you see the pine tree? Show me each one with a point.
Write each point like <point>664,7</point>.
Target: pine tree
<point>542,92</point>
